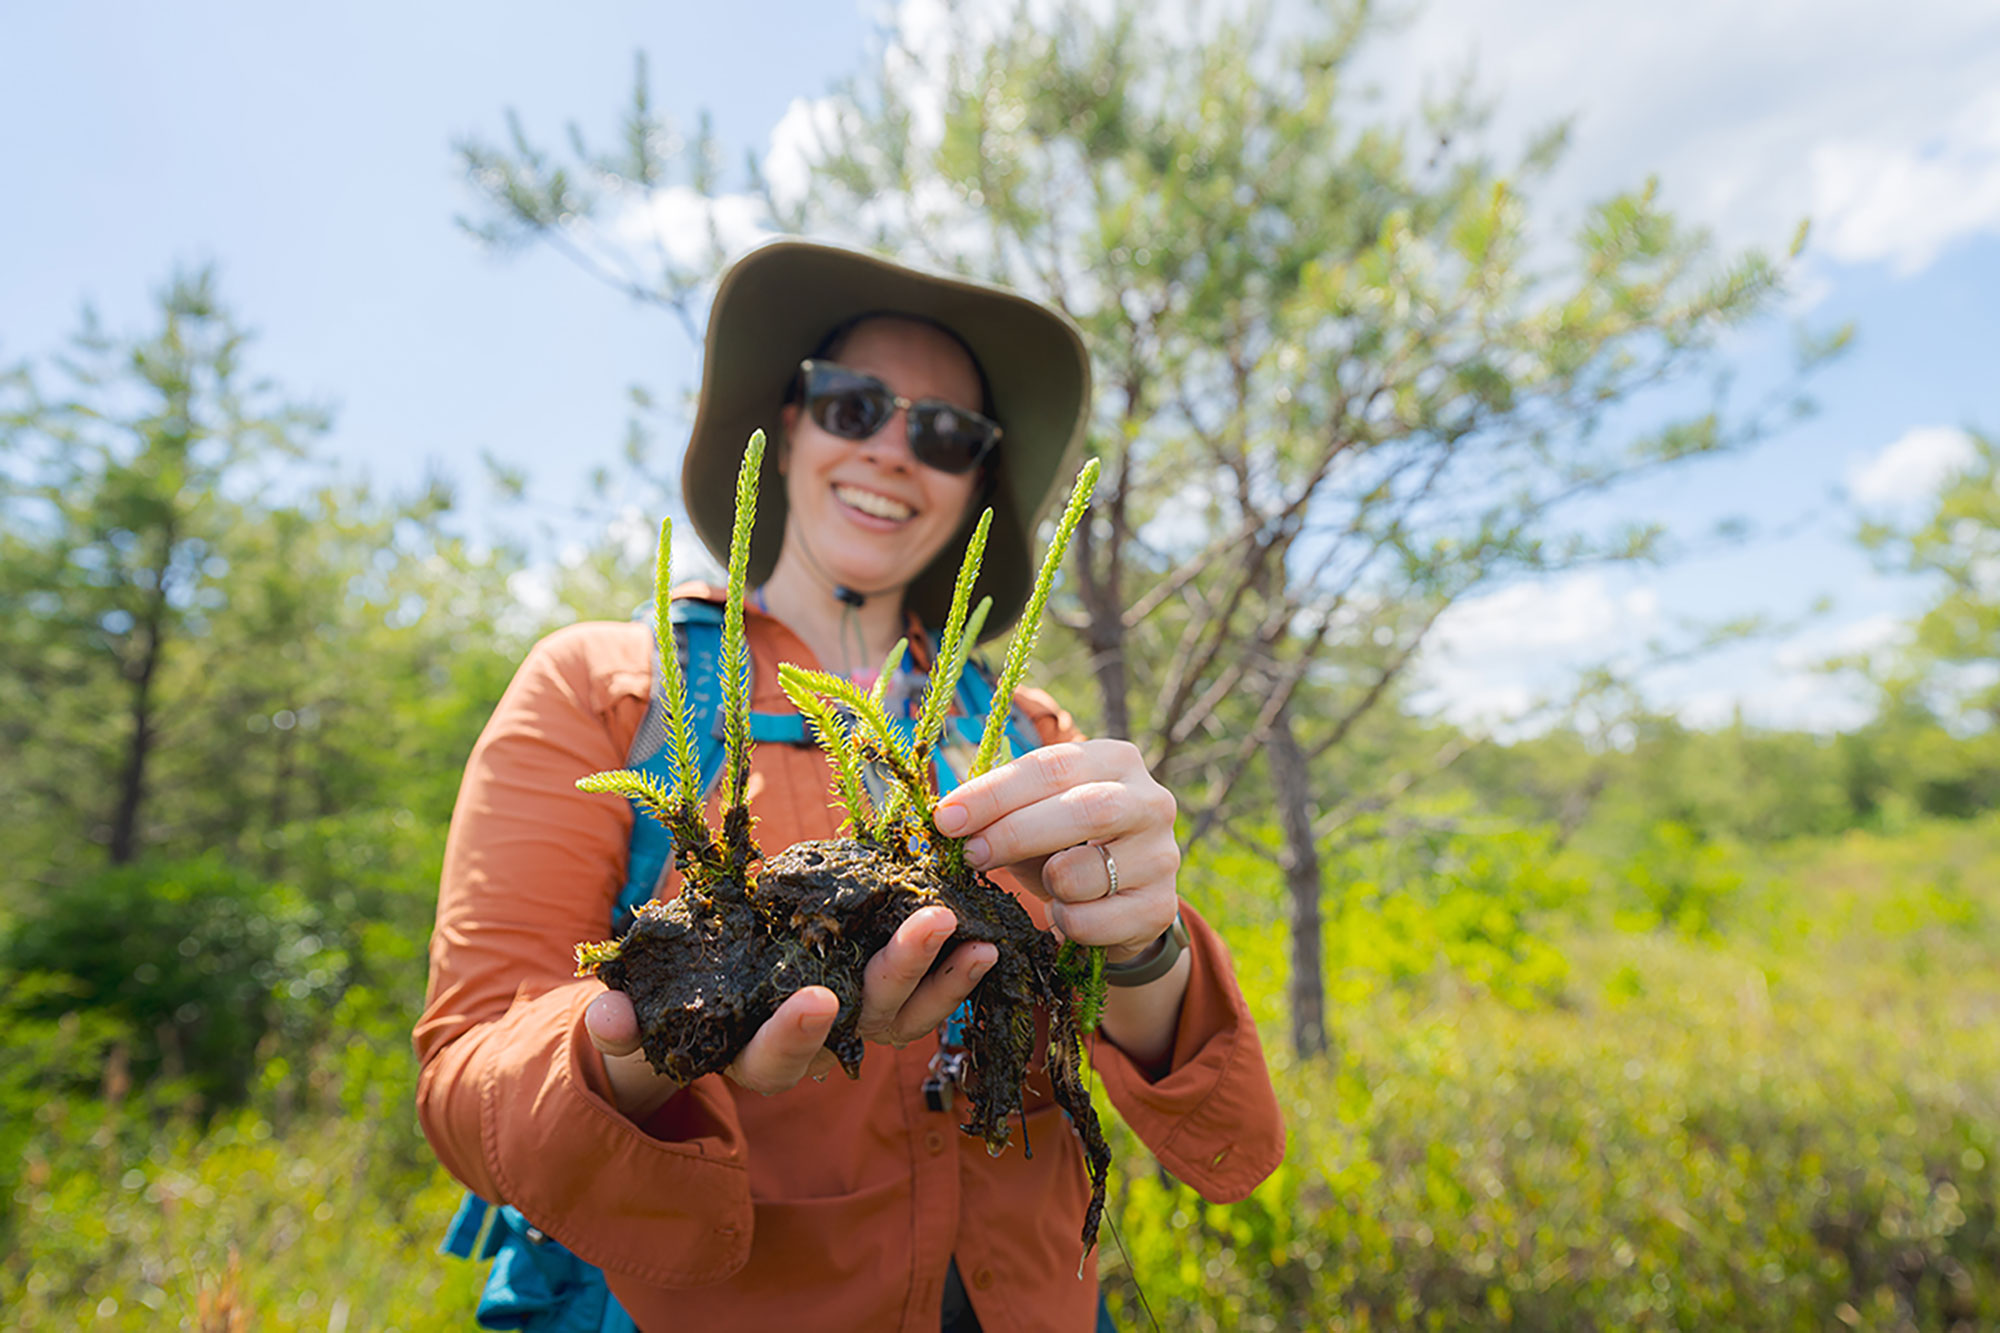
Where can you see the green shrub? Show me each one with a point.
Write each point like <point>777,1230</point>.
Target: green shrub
<point>188,957</point>
<point>1709,1155</point>
<point>1680,882</point>
<point>135,1227</point>
<point>1789,1120</point>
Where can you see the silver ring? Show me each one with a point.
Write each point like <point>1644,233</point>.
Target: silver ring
<point>1110,868</point>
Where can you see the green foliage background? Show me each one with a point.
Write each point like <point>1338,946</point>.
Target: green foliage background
<point>1547,1107</point>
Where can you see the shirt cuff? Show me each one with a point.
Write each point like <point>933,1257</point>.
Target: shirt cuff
<point>668,1212</point>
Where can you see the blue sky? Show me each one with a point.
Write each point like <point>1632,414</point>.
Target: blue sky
<point>307,152</point>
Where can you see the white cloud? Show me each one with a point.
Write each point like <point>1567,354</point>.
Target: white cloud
<point>679,220</point>
<point>1912,468</point>
<point>1491,658</point>
<point>1867,637</point>
<point>1789,685</point>
<point>1888,199</point>
<point>1496,662</point>
<point>1529,619</point>
<point>1880,121</point>
<point>795,141</point>
<point>1799,702</point>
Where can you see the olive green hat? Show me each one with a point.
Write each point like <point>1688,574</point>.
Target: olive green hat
<point>772,310</point>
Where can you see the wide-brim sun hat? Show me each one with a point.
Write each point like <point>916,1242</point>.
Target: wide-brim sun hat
<point>773,308</point>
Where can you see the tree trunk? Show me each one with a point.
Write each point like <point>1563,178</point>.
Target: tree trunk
<point>281,805</point>
<point>1105,633</point>
<point>138,746</point>
<point>1300,859</point>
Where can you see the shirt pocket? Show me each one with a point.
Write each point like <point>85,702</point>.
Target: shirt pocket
<point>852,1243</point>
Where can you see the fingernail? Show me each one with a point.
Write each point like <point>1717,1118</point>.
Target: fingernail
<point>976,852</point>
<point>978,971</point>
<point>950,819</point>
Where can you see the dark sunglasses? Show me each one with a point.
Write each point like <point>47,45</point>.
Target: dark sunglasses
<point>854,406</point>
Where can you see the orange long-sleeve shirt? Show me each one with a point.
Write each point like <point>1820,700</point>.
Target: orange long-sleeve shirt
<point>834,1205</point>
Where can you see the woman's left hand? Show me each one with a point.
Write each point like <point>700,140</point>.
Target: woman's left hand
<point>1046,816</point>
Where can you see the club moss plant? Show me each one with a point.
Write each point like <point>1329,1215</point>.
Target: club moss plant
<point>748,930</point>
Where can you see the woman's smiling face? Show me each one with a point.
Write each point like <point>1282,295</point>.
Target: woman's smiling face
<point>871,515</point>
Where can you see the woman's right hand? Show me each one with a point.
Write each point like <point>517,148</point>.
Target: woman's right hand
<point>899,1004</point>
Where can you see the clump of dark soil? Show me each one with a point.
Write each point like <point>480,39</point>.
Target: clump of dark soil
<point>707,969</point>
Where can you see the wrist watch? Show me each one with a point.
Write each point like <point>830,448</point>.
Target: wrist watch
<point>1153,964</point>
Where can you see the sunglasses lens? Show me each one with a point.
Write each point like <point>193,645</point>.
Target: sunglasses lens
<point>851,411</point>
<point>947,439</point>
<point>854,406</point>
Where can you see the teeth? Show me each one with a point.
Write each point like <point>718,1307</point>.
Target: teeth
<point>870,503</point>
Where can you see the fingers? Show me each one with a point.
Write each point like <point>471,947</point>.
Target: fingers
<point>1123,912</point>
<point>1055,798</point>
<point>786,1048</point>
<point>934,998</point>
<point>1082,873</point>
<point>613,1027</point>
<point>1033,777</point>
<point>899,1001</point>
<point>636,1088</point>
<point>1125,926</point>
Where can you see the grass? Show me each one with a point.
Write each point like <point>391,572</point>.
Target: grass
<point>1784,1116</point>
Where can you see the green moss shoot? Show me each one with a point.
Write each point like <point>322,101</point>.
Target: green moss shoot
<point>890,664</point>
<point>834,739</point>
<point>735,647</point>
<point>1029,629</point>
<point>673,685</point>
<point>951,650</point>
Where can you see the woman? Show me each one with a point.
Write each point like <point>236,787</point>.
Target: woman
<point>901,403</point>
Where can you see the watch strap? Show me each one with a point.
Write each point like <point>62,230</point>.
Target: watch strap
<point>1156,962</point>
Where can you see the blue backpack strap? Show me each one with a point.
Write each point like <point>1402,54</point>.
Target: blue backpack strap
<point>462,1235</point>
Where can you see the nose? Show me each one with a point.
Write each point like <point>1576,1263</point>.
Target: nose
<point>890,444</point>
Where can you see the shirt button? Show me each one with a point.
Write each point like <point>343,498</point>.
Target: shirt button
<point>983,1278</point>
<point>934,1142</point>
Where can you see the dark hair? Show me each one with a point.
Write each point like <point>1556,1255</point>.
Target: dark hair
<point>837,336</point>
